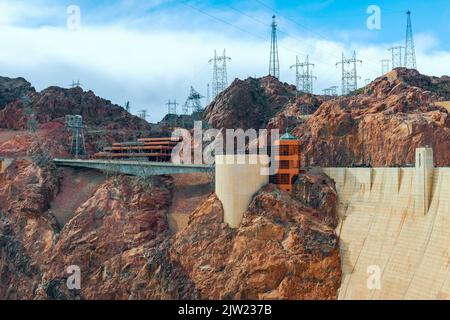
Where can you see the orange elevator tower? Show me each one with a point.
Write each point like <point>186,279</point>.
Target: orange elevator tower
<point>288,159</point>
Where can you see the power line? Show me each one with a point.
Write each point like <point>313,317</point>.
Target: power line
<point>304,27</point>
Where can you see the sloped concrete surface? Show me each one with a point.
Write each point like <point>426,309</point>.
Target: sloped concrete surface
<point>381,228</point>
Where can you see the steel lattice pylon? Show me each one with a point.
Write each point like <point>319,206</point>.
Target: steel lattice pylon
<point>331,91</point>
<point>220,77</point>
<point>172,107</point>
<point>385,66</point>
<point>349,73</point>
<point>274,63</point>
<point>304,75</point>
<point>410,52</point>
<point>193,102</point>
<point>397,56</point>
<point>75,123</point>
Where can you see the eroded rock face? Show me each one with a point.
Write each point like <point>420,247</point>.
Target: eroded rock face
<point>43,115</point>
<point>280,251</point>
<point>26,232</point>
<point>13,89</point>
<point>54,103</point>
<point>248,103</point>
<point>382,125</point>
<point>318,191</point>
<point>118,238</point>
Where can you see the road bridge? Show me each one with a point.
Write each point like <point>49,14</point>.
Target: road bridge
<point>135,168</point>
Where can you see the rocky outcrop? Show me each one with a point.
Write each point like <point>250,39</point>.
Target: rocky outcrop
<point>280,251</point>
<point>55,103</point>
<point>26,233</point>
<point>13,89</point>
<point>383,126</point>
<point>438,86</point>
<point>118,238</point>
<point>43,115</point>
<point>249,103</point>
<point>296,113</point>
<point>318,191</point>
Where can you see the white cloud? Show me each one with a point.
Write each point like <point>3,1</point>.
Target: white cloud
<point>148,66</point>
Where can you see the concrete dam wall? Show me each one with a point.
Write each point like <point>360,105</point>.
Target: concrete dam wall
<point>394,230</point>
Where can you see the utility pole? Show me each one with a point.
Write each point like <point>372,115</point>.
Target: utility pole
<point>410,52</point>
<point>127,106</point>
<point>349,73</point>
<point>304,75</point>
<point>274,63</point>
<point>385,63</point>
<point>220,76</point>
<point>397,53</point>
<point>172,107</point>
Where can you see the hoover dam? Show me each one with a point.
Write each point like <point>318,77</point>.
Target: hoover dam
<point>394,225</point>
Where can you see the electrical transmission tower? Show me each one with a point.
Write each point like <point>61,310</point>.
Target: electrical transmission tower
<point>349,73</point>
<point>304,75</point>
<point>143,114</point>
<point>385,63</point>
<point>75,123</point>
<point>75,84</point>
<point>410,52</point>
<point>274,64</point>
<point>220,77</point>
<point>172,107</point>
<point>193,102</point>
<point>397,60</point>
<point>331,91</point>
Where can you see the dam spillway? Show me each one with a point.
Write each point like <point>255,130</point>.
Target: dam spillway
<point>383,225</point>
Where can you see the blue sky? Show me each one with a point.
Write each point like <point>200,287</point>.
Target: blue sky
<point>151,51</point>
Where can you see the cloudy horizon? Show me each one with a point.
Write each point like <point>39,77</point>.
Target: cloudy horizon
<point>148,52</point>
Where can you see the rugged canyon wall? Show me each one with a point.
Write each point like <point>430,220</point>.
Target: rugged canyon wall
<point>121,241</point>
<point>26,232</point>
<point>27,116</point>
<point>118,238</point>
<point>280,251</point>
